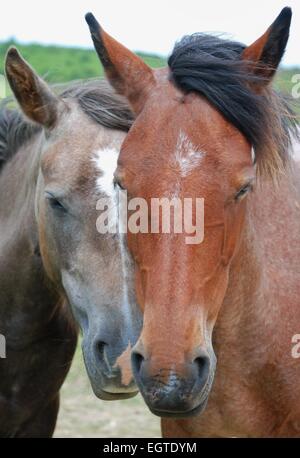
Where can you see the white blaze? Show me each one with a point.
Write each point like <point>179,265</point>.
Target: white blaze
<point>106,163</point>
<point>187,155</point>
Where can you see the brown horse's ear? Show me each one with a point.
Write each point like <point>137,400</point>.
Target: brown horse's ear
<point>32,93</point>
<point>265,54</point>
<point>126,72</point>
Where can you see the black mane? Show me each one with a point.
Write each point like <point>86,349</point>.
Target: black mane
<point>212,67</point>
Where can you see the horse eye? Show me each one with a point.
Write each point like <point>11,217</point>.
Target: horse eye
<point>54,203</point>
<point>119,185</point>
<point>242,192</point>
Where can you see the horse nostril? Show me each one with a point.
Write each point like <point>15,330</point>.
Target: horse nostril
<point>203,366</point>
<point>102,357</point>
<point>136,361</point>
<point>100,350</point>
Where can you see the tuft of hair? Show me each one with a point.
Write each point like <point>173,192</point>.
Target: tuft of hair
<point>96,99</point>
<point>213,67</point>
<point>15,130</point>
<point>100,102</point>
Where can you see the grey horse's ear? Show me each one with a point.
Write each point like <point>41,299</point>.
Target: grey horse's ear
<point>34,96</point>
<point>264,55</point>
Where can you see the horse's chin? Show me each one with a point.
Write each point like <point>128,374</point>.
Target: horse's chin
<point>118,396</point>
<point>181,414</point>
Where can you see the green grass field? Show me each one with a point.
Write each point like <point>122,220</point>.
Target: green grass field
<point>59,64</point>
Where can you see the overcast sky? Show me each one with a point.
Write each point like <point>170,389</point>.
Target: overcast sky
<point>145,25</point>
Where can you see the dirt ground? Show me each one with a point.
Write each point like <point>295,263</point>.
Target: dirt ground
<point>83,415</point>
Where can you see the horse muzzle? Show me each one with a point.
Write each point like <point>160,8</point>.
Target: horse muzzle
<point>111,378</point>
<point>175,393</point>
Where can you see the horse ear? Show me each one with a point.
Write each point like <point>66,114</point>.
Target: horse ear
<point>32,93</point>
<point>265,54</point>
<point>126,72</point>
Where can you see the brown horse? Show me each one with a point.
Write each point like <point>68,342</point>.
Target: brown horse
<point>211,126</point>
<point>53,172</point>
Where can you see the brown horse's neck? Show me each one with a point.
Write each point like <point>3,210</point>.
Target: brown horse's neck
<point>40,338</point>
<point>24,288</point>
<point>256,274</point>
